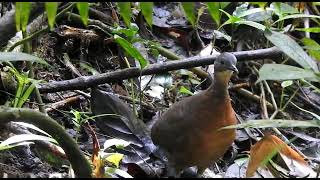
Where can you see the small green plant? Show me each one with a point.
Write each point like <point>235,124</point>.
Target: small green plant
<point>25,87</point>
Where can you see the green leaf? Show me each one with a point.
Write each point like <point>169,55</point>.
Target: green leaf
<point>274,123</point>
<point>231,20</point>
<point>312,47</point>
<point>312,29</point>
<point>83,8</point>
<point>125,11</point>
<point>147,11</point>
<point>282,9</point>
<point>252,24</point>
<point>188,8</point>
<point>27,94</point>
<point>132,51</point>
<point>292,49</point>
<point>260,4</point>
<point>185,91</point>
<point>119,143</point>
<point>89,68</point>
<point>115,158</point>
<point>18,56</point>
<point>285,84</point>
<point>224,4</point>
<point>18,15</point>
<point>31,126</point>
<point>222,34</point>
<point>213,8</point>
<point>22,15</point>
<point>130,32</point>
<point>51,8</point>
<point>6,147</point>
<point>26,137</point>
<point>249,12</point>
<point>294,16</point>
<point>285,72</point>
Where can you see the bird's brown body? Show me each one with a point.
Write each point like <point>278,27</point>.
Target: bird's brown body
<point>189,131</point>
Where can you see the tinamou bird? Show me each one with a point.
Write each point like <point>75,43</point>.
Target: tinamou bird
<point>189,131</point>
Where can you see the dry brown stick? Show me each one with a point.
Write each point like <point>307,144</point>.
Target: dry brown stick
<point>254,97</point>
<point>88,81</point>
<point>62,103</point>
<point>263,103</point>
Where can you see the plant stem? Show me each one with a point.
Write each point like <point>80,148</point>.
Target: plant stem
<point>27,49</point>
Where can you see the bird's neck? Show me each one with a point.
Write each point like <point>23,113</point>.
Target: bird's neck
<point>219,86</point>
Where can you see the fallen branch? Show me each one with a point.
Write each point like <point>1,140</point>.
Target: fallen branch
<point>84,82</point>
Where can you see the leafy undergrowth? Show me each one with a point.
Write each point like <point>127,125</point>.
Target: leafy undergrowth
<point>113,131</point>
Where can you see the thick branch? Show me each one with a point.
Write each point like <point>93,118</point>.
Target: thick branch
<point>88,81</point>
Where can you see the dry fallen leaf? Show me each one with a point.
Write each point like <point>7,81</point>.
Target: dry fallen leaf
<point>264,150</point>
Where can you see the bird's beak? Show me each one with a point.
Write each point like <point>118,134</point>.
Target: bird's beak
<point>234,69</point>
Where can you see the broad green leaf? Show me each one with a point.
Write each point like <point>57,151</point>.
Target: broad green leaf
<point>224,4</point>
<point>83,8</point>
<point>285,84</point>
<point>130,32</point>
<point>128,47</point>
<point>258,123</point>
<point>18,15</point>
<point>26,94</point>
<point>122,173</point>
<point>294,16</point>
<point>188,8</point>
<point>213,8</point>
<point>125,11</point>
<point>147,11</point>
<point>285,72</point>
<point>312,29</point>
<point>89,68</point>
<point>22,15</point>
<point>27,137</point>
<point>231,20</point>
<point>31,126</point>
<point>260,4</point>
<point>292,49</point>
<point>316,3</point>
<point>6,147</point>
<point>248,12</point>
<point>115,158</point>
<point>185,91</point>
<point>312,47</point>
<point>119,143</point>
<point>222,34</point>
<point>51,8</point>
<point>252,24</point>
<point>18,56</point>
<point>282,9</point>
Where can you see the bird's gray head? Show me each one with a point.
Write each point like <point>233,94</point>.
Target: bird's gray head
<point>225,62</point>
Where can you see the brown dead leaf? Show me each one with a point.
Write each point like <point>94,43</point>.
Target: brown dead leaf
<point>265,148</point>
<point>97,162</point>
